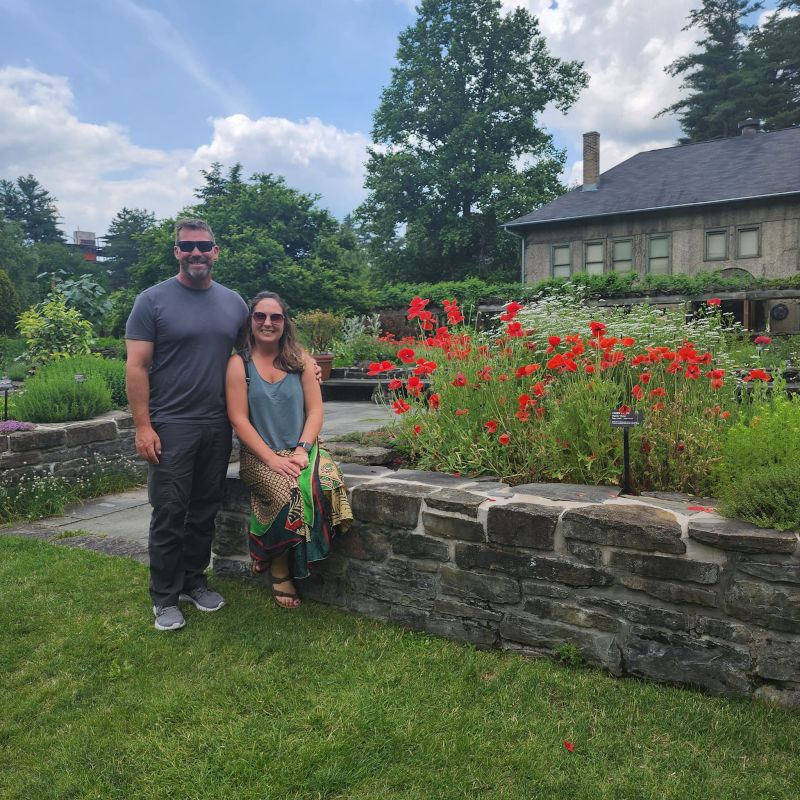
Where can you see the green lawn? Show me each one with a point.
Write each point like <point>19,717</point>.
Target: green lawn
<point>256,702</point>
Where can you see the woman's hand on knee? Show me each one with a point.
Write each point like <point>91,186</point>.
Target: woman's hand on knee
<point>283,466</point>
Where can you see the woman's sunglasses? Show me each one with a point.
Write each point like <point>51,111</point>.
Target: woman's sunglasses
<point>259,317</point>
<point>188,247</point>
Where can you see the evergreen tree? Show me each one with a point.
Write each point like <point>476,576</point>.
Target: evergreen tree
<point>122,243</point>
<point>9,305</point>
<point>458,147</point>
<point>32,207</point>
<point>720,77</point>
<point>775,58</point>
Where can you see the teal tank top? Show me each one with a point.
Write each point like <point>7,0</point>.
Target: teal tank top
<point>277,410</point>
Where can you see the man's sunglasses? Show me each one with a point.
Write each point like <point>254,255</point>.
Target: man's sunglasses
<point>259,317</point>
<point>202,246</point>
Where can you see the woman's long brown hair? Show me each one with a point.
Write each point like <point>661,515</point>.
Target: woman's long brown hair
<point>291,357</point>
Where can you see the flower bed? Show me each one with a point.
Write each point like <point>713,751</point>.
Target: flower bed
<point>531,400</point>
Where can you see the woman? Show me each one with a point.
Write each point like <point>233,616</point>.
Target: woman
<point>298,497</point>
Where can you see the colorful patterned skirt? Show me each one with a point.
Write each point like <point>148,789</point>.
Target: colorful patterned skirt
<point>301,516</point>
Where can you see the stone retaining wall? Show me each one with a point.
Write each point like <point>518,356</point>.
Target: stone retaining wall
<point>649,587</point>
<point>67,448</point>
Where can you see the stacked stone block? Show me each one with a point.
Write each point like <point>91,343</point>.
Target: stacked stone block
<point>643,587</point>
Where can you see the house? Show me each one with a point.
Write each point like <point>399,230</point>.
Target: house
<point>729,205</point>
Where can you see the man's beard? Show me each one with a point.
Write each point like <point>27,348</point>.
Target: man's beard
<point>197,270</point>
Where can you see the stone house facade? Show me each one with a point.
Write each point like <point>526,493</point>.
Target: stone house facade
<point>727,205</point>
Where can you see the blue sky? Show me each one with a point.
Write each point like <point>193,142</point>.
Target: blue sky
<point>114,103</point>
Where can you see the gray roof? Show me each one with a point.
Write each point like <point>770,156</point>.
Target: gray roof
<point>723,170</point>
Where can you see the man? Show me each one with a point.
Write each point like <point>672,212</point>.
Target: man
<point>179,336</point>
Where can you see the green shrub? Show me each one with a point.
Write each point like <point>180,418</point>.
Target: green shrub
<point>106,344</point>
<point>317,330</point>
<point>58,397</point>
<point>52,331</point>
<point>759,474</point>
<point>110,370</point>
<point>9,304</point>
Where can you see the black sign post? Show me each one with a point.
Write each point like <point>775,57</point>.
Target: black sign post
<point>625,421</point>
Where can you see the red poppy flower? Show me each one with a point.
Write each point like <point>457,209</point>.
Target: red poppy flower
<point>637,392</point>
<point>424,367</point>
<point>762,340</point>
<point>406,355</point>
<point>417,430</point>
<point>758,375</point>
<point>626,341</point>
<point>692,372</point>
<point>658,406</point>
<point>589,368</point>
<point>538,389</point>
<point>524,401</point>
<point>491,426</point>
<point>522,416</point>
<point>624,409</point>
<point>434,401</point>
<point>461,411</point>
<point>504,439</point>
<point>659,391</point>
<point>597,328</point>
<point>400,406</point>
<point>395,384</point>
<point>714,301</point>
<point>414,385</point>
<point>725,414</point>
<point>460,380</point>
<point>514,330</point>
<point>553,341</point>
<point>645,377</point>
<point>485,374</point>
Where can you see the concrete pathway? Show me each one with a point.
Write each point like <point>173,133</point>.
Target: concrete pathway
<point>118,524</point>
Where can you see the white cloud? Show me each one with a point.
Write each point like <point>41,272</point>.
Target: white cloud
<point>95,170</point>
<point>625,45</point>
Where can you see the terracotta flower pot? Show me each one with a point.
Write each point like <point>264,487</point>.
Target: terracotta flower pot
<point>325,361</point>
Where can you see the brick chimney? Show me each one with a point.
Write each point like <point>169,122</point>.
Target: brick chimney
<point>591,161</point>
<point>749,127</point>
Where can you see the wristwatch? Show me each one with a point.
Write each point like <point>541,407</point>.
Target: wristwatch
<point>307,446</point>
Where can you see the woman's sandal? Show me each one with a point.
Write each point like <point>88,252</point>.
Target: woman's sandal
<point>277,593</point>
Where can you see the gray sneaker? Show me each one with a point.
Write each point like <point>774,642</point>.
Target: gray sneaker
<point>168,618</point>
<point>203,598</point>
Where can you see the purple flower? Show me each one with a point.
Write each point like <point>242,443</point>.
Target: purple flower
<point>11,425</point>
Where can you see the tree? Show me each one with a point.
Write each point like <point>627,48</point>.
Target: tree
<point>720,77</point>
<point>272,237</point>
<point>32,207</point>
<point>775,58</point>
<point>122,246</point>
<point>458,149</point>
<point>9,305</point>
<point>20,262</point>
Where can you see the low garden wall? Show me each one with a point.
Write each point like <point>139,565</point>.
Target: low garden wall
<point>657,587</point>
<point>66,448</point>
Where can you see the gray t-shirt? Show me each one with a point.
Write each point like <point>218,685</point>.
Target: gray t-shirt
<point>193,332</point>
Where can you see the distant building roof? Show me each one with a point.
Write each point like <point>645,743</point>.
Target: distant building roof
<point>723,170</point>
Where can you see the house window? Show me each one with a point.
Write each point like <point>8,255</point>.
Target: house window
<point>716,245</point>
<point>593,258</point>
<point>622,255</point>
<point>559,257</point>
<point>658,247</point>
<point>748,241</point>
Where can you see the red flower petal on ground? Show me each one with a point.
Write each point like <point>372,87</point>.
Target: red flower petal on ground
<point>570,747</point>
<point>504,439</point>
<point>406,355</point>
<point>707,509</point>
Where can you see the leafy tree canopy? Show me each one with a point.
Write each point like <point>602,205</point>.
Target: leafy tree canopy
<point>458,149</point>
<point>271,237</point>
